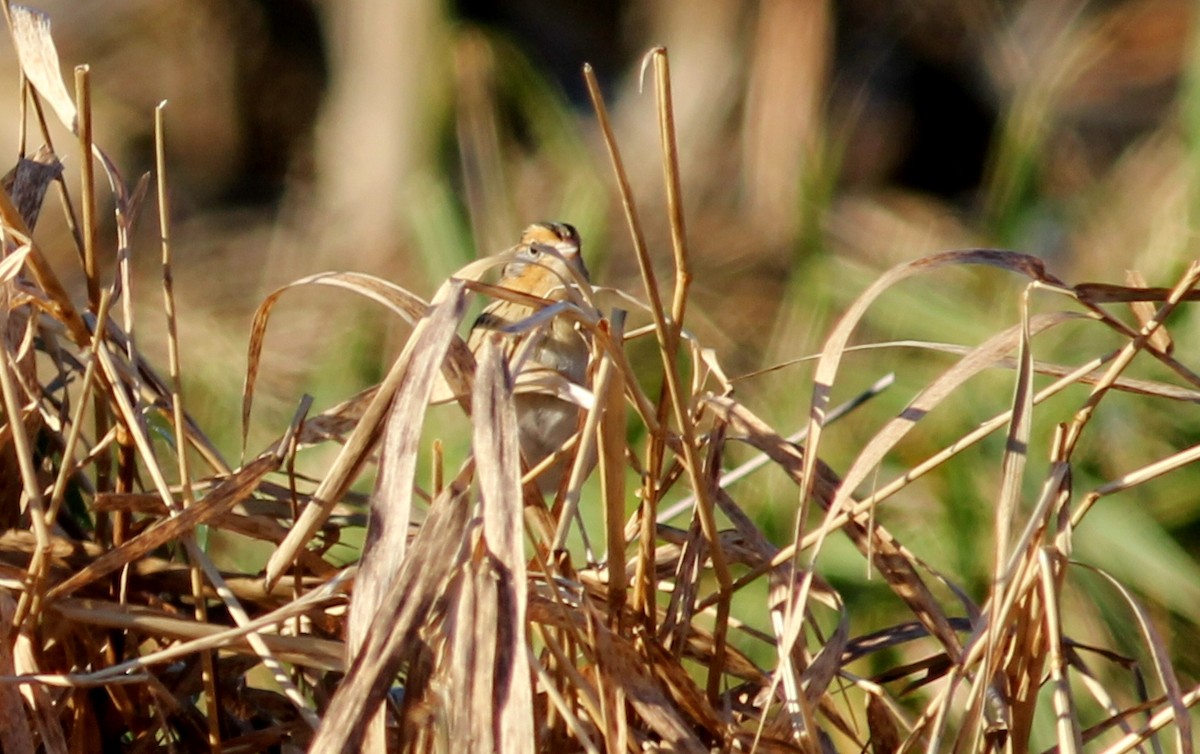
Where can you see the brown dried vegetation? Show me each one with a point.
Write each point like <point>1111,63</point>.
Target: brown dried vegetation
<point>469,623</point>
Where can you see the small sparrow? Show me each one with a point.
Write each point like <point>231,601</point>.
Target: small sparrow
<point>545,257</point>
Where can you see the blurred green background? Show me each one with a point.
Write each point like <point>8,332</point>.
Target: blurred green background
<point>821,144</point>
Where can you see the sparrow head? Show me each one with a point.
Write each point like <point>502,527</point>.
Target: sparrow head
<point>544,257</point>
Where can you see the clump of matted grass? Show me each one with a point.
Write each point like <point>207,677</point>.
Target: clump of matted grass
<point>478,628</point>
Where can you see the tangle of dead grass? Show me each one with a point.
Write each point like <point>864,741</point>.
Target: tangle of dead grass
<point>477,628</point>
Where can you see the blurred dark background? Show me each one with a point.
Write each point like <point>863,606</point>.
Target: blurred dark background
<point>338,110</point>
<point>925,75</point>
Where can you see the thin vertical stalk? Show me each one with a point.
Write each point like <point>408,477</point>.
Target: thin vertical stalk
<point>87,179</point>
<point>669,347</point>
<point>87,242</point>
<point>24,454</point>
<point>644,588</point>
<point>208,664</point>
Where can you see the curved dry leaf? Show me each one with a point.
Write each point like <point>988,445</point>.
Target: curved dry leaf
<point>1141,387</point>
<point>835,344</point>
<point>400,301</point>
<point>976,360</point>
<point>1179,705</point>
<point>549,382</point>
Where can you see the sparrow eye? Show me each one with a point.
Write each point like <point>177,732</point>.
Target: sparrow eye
<point>534,251</point>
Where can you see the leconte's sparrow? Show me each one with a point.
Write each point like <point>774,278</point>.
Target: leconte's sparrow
<point>544,259</point>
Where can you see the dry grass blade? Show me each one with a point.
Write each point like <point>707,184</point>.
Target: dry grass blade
<point>15,733</point>
<point>1171,297</point>
<point>1144,311</point>
<point>964,442</point>
<point>668,339</point>
<point>668,332</point>
<point>976,360</point>
<point>733,476</point>
<point>643,585</point>
<point>1178,704</point>
<point>1106,293</point>
<point>482,714</point>
<point>354,453</point>
<point>57,299</point>
<point>569,716</point>
<point>670,154</point>
<point>48,727</point>
<point>1016,715</point>
<point>20,488</point>
<point>1140,476</point>
<point>1069,737</point>
<point>13,263</point>
<point>391,503</point>
<point>177,411</point>
<point>1142,341</point>
<point>621,666</point>
<point>87,179</point>
<point>885,738</point>
<point>1157,722</point>
<point>1016,451</point>
<point>39,60</point>
<point>892,560</point>
<point>610,389</point>
<point>435,555</point>
<point>221,499</point>
<point>835,345</point>
<point>195,636</point>
<point>491,635</point>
